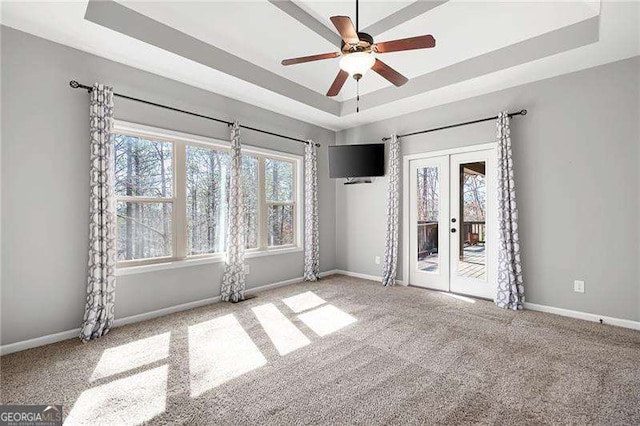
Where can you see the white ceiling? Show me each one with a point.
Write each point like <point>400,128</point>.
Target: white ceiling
<point>370,11</point>
<point>262,34</point>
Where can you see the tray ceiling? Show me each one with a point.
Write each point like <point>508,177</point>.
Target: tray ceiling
<point>235,47</point>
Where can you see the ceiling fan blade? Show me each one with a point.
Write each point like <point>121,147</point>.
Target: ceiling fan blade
<point>389,73</point>
<point>411,43</point>
<point>346,29</point>
<point>311,58</point>
<point>338,83</point>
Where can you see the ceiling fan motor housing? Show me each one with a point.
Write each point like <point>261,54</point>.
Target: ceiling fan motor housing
<point>366,41</point>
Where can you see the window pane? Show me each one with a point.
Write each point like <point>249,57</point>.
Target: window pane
<point>144,230</point>
<point>207,176</point>
<point>280,225</point>
<point>278,180</point>
<point>144,167</point>
<point>250,191</point>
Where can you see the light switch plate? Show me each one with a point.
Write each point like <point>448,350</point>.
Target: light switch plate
<point>578,286</point>
<point>377,260</point>
<point>247,269</point>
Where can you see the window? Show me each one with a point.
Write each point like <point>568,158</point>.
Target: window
<point>172,196</point>
<point>279,188</point>
<point>144,189</point>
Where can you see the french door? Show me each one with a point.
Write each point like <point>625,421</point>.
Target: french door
<point>452,226</point>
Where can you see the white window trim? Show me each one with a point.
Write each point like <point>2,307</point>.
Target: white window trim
<point>180,258</point>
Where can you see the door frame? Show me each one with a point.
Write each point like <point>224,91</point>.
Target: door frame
<point>406,244</point>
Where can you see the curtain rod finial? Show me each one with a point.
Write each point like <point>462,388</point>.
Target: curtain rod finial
<point>74,84</point>
<point>523,112</point>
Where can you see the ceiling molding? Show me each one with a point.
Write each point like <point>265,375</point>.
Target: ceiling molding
<point>301,15</point>
<point>112,15</point>
<point>115,16</point>
<point>554,42</point>
<point>180,43</point>
<point>415,9</point>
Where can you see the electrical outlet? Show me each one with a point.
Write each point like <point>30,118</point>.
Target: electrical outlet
<point>578,286</point>
<point>247,269</point>
<point>377,260</point>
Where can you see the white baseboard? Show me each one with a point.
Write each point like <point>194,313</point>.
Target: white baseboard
<point>70,334</point>
<point>634,325</point>
<point>164,311</point>
<point>364,276</point>
<point>619,322</point>
<point>39,341</point>
<point>331,272</point>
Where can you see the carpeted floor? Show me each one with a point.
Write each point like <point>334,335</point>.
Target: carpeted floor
<point>353,353</point>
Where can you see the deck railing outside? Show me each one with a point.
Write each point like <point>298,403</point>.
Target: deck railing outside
<point>427,238</point>
<point>473,233</point>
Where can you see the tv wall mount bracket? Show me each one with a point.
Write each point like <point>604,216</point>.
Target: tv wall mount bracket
<point>355,181</point>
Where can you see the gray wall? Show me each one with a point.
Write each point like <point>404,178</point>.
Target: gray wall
<point>45,171</point>
<point>576,162</point>
<point>576,156</point>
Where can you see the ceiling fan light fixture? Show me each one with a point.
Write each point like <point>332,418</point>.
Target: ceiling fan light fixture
<point>357,63</point>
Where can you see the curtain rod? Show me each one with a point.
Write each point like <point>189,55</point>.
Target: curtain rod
<point>74,84</point>
<point>521,112</point>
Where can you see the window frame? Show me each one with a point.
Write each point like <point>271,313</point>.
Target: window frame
<point>179,142</point>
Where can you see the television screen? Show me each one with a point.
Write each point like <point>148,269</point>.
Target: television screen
<point>351,161</point>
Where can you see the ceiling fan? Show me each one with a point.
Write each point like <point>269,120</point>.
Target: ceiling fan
<point>358,53</point>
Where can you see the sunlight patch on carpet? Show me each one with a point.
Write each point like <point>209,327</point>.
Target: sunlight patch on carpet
<point>220,350</point>
<point>133,400</point>
<point>132,355</point>
<point>326,320</point>
<point>284,335</point>
<point>302,302</point>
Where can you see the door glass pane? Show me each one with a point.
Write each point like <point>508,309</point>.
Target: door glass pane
<point>428,215</point>
<point>473,208</point>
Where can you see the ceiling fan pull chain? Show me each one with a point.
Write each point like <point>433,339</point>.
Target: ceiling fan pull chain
<point>357,96</point>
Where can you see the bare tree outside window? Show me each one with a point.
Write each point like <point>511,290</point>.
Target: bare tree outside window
<point>151,210</point>
<point>207,172</point>
<point>428,194</point>
<point>279,188</point>
<point>144,187</point>
<point>474,193</point>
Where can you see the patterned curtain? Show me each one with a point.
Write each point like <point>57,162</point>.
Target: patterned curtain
<point>311,238</point>
<point>393,200</point>
<point>101,283</point>
<point>510,292</point>
<point>233,278</point>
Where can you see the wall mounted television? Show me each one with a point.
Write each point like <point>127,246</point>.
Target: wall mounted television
<point>356,161</point>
